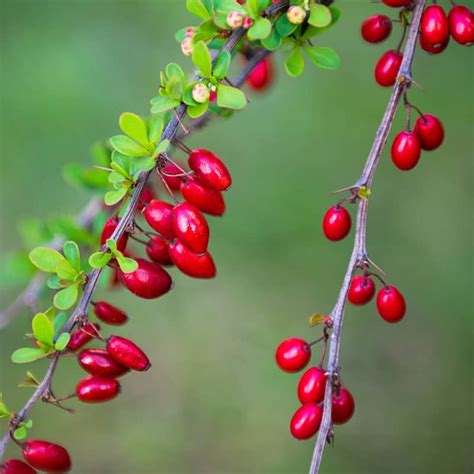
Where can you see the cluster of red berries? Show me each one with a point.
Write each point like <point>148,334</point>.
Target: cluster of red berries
<point>293,355</point>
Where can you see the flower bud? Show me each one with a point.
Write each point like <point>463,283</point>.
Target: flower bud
<point>200,93</point>
<point>190,32</point>
<point>187,46</point>
<point>248,22</point>
<point>296,15</point>
<point>235,19</point>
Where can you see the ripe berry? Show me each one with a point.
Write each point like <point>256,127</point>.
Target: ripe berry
<point>157,249</point>
<point>206,199</point>
<point>362,290</point>
<point>127,353</point>
<point>192,264</point>
<point>146,196</point>
<point>210,169</point>
<point>109,229</point>
<point>461,24</point>
<point>296,15</point>
<point>311,386</point>
<point>96,389</point>
<point>46,456</point>
<point>82,336</point>
<point>406,150</point>
<point>148,281</point>
<point>99,362</point>
<point>191,227</point>
<point>429,48</point>
<point>343,406</point>
<point>376,28</point>
<point>306,421</point>
<point>396,3</point>
<point>158,215</point>
<point>337,223</point>
<point>187,46</point>
<point>15,466</point>
<point>235,19</point>
<point>430,131</point>
<point>391,304</point>
<point>387,67</point>
<point>109,314</point>
<point>262,75</point>
<point>293,354</point>
<point>434,25</point>
<point>172,182</point>
<point>200,93</point>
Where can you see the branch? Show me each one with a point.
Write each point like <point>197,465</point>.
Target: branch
<point>359,252</point>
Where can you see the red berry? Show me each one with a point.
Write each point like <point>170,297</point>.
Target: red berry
<point>343,406</point>
<point>376,28</point>
<point>337,223</point>
<point>147,195</point>
<point>127,353</point>
<point>192,264</point>
<point>109,314</point>
<point>430,131</point>
<point>171,181</point>
<point>206,199</point>
<point>158,215</point>
<point>434,25</point>
<point>210,169</point>
<point>82,336</point>
<point>362,290</point>
<point>109,229</point>
<point>391,304</point>
<point>429,48</point>
<point>46,456</point>
<point>96,389</point>
<point>190,227</point>
<point>99,362</point>
<point>262,75</point>
<point>157,249</point>
<point>387,67</point>
<point>15,466</point>
<point>461,24</point>
<point>293,354</point>
<point>396,3</point>
<point>312,385</point>
<point>306,421</point>
<point>406,150</point>
<point>148,281</point>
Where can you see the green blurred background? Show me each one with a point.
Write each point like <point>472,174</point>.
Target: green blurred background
<point>214,401</point>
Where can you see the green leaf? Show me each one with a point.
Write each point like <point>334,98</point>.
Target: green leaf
<point>127,265</point>
<point>230,97</point>
<point>261,29</point>
<point>162,147</point>
<point>181,34</point>
<point>188,94</point>
<point>99,259</point>
<point>59,321</point>
<point>29,381</point>
<point>46,259</point>
<point>4,411</point>
<point>54,282</point>
<point>62,341</point>
<point>202,58</point>
<point>20,433</point>
<point>313,31</point>
<point>175,70</point>
<point>273,42</point>
<point>135,127</point>
<point>127,146</point>
<point>320,16</point>
<point>294,63</point>
<point>27,354</point>
<point>43,329</point>
<point>66,271</point>
<point>100,154</point>
<point>323,57</point>
<point>155,128</point>
<point>145,164</point>
<point>196,7</point>
<point>195,111</point>
<point>284,26</point>
<point>89,178</point>
<point>113,197</point>
<point>65,298</point>
<point>163,103</point>
<point>221,65</point>
<point>112,245</point>
<point>72,254</point>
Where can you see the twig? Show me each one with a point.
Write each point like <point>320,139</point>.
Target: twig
<point>359,252</point>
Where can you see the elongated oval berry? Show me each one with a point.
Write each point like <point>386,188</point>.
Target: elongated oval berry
<point>95,389</point>
<point>434,25</point>
<point>173,182</point>
<point>376,28</point>
<point>109,229</point>
<point>148,281</point>
<point>157,249</point>
<point>391,304</point>
<point>337,223</point>
<point>206,199</point>
<point>430,131</point>
<point>210,169</point>
<point>46,456</point>
<point>387,67</point>
<point>293,354</point>
<point>343,406</point>
<point>190,263</point>
<point>109,313</point>
<point>158,215</point>
<point>15,466</point>
<point>312,385</point>
<point>306,421</point>
<point>262,75</point>
<point>461,24</point>
<point>190,227</point>
<point>396,3</point>
<point>82,336</point>
<point>362,290</point>
<point>429,48</point>
<point>406,150</point>
<point>127,353</point>
<point>100,363</point>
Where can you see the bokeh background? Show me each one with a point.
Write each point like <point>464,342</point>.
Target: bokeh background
<point>214,401</point>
